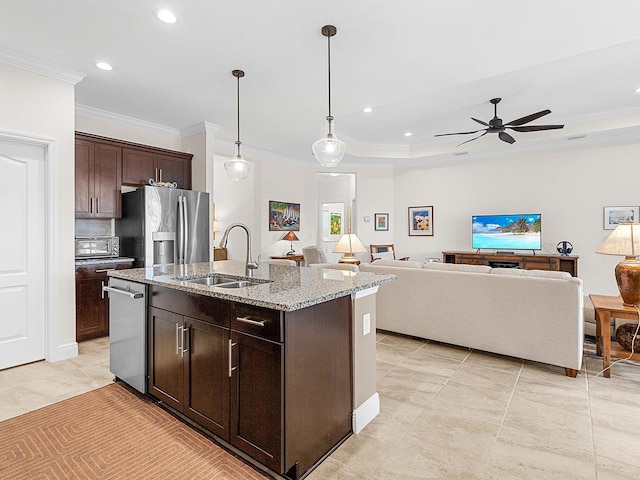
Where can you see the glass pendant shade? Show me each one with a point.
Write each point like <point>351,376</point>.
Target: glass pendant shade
<point>329,151</point>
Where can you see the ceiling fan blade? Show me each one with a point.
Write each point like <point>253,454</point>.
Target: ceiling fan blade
<point>536,128</point>
<point>474,138</point>
<point>480,122</point>
<point>457,133</point>
<point>505,137</point>
<point>528,118</point>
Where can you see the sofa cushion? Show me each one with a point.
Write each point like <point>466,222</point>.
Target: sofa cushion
<point>456,267</point>
<point>518,272</point>
<point>397,263</point>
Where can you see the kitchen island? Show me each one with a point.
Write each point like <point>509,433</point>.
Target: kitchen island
<point>278,370</point>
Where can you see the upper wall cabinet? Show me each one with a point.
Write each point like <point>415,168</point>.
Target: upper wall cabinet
<point>141,165</point>
<point>98,170</point>
<point>104,164</point>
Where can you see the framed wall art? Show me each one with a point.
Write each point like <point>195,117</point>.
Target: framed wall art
<point>421,221</point>
<point>614,216</point>
<point>284,216</point>
<point>381,221</point>
<point>332,221</point>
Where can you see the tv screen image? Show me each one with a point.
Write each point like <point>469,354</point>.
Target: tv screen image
<point>507,232</point>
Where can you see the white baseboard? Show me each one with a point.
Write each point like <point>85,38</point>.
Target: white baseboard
<point>365,413</point>
<point>63,352</point>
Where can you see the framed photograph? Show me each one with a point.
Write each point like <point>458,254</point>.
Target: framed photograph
<point>614,216</point>
<point>284,216</point>
<point>421,221</point>
<point>381,221</point>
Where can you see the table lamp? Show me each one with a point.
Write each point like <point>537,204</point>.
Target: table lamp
<point>349,244</point>
<point>291,237</point>
<point>625,240</point>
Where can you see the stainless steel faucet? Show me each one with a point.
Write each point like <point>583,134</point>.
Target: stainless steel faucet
<point>250,265</point>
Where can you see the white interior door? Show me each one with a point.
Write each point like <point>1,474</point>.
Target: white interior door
<point>22,253</point>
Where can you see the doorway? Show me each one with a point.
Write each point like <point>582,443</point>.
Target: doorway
<point>23,243</point>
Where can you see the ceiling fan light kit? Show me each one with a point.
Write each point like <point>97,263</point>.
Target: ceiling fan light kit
<point>329,150</point>
<point>496,125</point>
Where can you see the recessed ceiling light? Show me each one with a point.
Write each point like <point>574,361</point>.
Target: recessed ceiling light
<point>166,16</point>
<point>368,110</point>
<point>104,66</point>
<point>638,90</point>
<point>408,134</point>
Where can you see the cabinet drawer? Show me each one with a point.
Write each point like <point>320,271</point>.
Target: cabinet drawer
<point>200,307</point>
<point>257,321</point>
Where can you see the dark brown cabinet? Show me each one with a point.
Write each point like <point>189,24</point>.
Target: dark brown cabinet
<point>98,170</point>
<point>558,263</point>
<point>92,306</point>
<point>226,366</point>
<point>140,165</point>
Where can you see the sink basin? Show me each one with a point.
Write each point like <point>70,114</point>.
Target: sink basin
<point>238,284</point>
<point>211,281</point>
<point>221,281</point>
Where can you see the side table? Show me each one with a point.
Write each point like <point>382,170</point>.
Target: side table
<point>297,258</point>
<point>607,307</point>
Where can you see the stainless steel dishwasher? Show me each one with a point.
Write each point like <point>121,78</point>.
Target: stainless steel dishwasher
<point>128,332</point>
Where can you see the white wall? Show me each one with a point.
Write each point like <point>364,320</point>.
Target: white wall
<point>38,105</point>
<point>569,188</point>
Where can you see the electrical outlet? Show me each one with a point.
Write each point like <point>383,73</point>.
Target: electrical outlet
<point>366,324</point>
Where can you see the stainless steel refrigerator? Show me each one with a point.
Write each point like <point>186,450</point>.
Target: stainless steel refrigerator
<point>161,226</point>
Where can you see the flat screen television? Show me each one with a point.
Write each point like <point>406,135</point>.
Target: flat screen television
<point>507,232</point>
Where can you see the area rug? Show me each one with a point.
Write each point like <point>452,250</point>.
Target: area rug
<point>111,433</point>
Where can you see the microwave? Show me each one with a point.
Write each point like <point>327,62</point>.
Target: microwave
<point>95,247</point>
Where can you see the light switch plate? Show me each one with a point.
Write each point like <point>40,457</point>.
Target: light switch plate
<point>366,324</point>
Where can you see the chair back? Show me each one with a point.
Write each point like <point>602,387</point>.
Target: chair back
<point>313,254</point>
<point>278,261</point>
<point>386,252</point>
<point>337,266</point>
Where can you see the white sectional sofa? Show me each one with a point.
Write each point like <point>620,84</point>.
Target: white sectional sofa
<point>530,314</point>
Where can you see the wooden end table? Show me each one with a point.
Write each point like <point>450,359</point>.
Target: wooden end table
<point>297,258</point>
<point>607,307</point>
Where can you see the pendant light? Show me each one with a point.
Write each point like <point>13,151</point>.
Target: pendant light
<point>238,168</point>
<point>329,150</point>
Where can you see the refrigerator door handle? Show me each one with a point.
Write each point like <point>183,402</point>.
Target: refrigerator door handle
<point>185,221</point>
<point>180,232</point>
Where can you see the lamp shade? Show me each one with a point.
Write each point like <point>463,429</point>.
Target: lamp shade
<point>625,240</point>
<point>349,243</point>
<point>329,150</point>
<point>291,237</point>
<point>238,168</point>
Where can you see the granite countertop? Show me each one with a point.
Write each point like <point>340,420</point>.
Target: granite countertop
<point>95,261</point>
<point>283,288</point>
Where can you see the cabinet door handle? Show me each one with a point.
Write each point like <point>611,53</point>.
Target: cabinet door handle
<point>259,323</point>
<point>102,270</point>
<point>155,174</point>
<point>97,204</point>
<point>102,290</point>
<point>91,205</point>
<point>178,329</point>
<point>231,345</point>
<point>185,335</point>
<point>160,174</point>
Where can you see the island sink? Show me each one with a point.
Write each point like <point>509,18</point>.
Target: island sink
<point>221,281</point>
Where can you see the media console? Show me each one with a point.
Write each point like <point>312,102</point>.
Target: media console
<point>559,263</point>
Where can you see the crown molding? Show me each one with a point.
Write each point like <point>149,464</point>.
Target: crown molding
<point>124,120</point>
<point>201,127</point>
<point>40,67</point>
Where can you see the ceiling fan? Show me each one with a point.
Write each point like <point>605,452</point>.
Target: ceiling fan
<point>495,125</point>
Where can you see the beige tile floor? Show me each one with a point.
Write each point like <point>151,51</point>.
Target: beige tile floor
<point>447,412</point>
